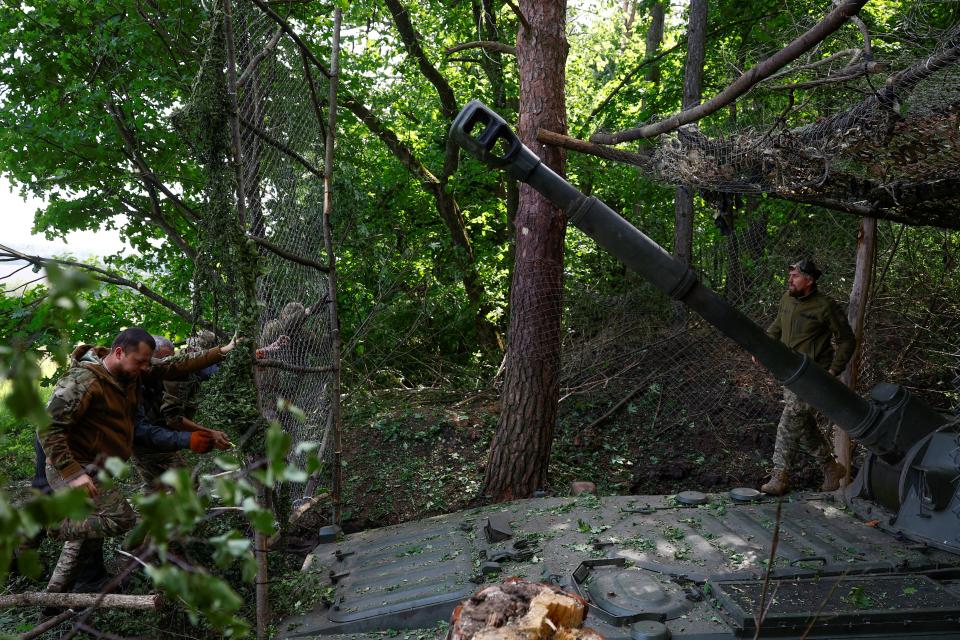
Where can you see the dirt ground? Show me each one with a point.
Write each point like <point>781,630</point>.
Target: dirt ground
<point>421,452</point>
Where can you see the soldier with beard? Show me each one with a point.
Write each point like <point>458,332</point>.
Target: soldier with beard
<point>92,413</point>
<point>808,322</point>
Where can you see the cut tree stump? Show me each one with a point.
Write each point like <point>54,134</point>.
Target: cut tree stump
<point>79,600</point>
<point>520,610</point>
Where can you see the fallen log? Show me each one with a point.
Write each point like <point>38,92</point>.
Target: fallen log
<point>79,600</point>
<point>520,610</point>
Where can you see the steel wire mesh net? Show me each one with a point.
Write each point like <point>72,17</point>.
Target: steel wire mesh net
<point>282,151</point>
<point>626,342</point>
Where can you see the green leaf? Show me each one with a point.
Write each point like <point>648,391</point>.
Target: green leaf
<point>260,519</point>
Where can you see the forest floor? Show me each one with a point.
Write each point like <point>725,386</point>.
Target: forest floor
<point>414,453</point>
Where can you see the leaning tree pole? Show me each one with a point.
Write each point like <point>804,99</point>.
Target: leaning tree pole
<point>521,446</point>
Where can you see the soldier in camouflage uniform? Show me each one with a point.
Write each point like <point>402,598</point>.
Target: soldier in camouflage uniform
<point>92,412</point>
<point>808,322</point>
<point>163,404</point>
<point>290,340</point>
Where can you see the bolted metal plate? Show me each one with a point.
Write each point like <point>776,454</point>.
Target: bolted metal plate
<point>621,595</point>
<point>744,494</point>
<point>649,630</point>
<point>691,497</point>
<point>329,533</point>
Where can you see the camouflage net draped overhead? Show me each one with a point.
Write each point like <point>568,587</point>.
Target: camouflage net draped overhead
<point>869,126</point>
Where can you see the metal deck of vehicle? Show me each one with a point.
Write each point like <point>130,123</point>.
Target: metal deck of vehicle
<point>646,558</point>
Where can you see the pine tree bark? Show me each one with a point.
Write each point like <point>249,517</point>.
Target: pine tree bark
<point>520,449</point>
<point>692,91</point>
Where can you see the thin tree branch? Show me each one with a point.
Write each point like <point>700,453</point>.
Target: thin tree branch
<point>143,168</point>
<point>575,144</point>
<point>389,138</point>
<point>865,69</point>
<point>744,83</point>
<point>273,15</point>
<point>314,100</point>
<point>411,41</point>
<point>520,16</point>
<point>867,47</point>
<point>113,584</point>
<point>46,625</point>
<point>489,45</point>
<point>630,75</point>
<point>157,219</point>
<point>289,255</point>
<point>854,53</point>
<point>109,277</point>
<point>273,142</point>
<point>255,60</point>
<point>762,611</point>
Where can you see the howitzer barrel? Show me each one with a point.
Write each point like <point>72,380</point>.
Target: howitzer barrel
<point>487,136</point>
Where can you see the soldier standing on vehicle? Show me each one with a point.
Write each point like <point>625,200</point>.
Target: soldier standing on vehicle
<point>808,322</point>
<point>92,411</point>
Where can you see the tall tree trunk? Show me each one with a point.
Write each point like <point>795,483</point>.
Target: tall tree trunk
<point>856,313</point>
<point>520,449</point>
<point>654,39</point>
<point>692,85</point>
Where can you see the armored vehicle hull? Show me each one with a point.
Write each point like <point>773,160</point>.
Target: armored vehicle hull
<point>653,567</point>
<point>882,561</point>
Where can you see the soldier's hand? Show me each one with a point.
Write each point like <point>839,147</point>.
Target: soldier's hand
<point>220,439</point>
<point>86,482</point>
<point>754,360</point>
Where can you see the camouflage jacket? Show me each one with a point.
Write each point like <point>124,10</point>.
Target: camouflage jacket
<point>179,400</point>
<point>92,412</point>
<point>811,325</point>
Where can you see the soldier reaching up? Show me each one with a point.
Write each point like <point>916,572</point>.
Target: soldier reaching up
<point>92,411</point>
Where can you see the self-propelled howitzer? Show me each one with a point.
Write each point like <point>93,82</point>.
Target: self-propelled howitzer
<point>913,465</point>
<point>882,564</point>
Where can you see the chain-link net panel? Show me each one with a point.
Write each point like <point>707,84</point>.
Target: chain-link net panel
<point>281,104</point>
<point>625,341</point>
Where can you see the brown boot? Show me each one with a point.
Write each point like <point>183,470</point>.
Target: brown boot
<point>779,483</point>
<point>833,474</point>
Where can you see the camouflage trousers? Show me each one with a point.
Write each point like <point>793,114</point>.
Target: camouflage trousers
<point>112,515</point>
<point>798,430</point>
<point>151,465</point>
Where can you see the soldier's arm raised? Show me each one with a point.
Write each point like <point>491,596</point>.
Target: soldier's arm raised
<point>183,364</point>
